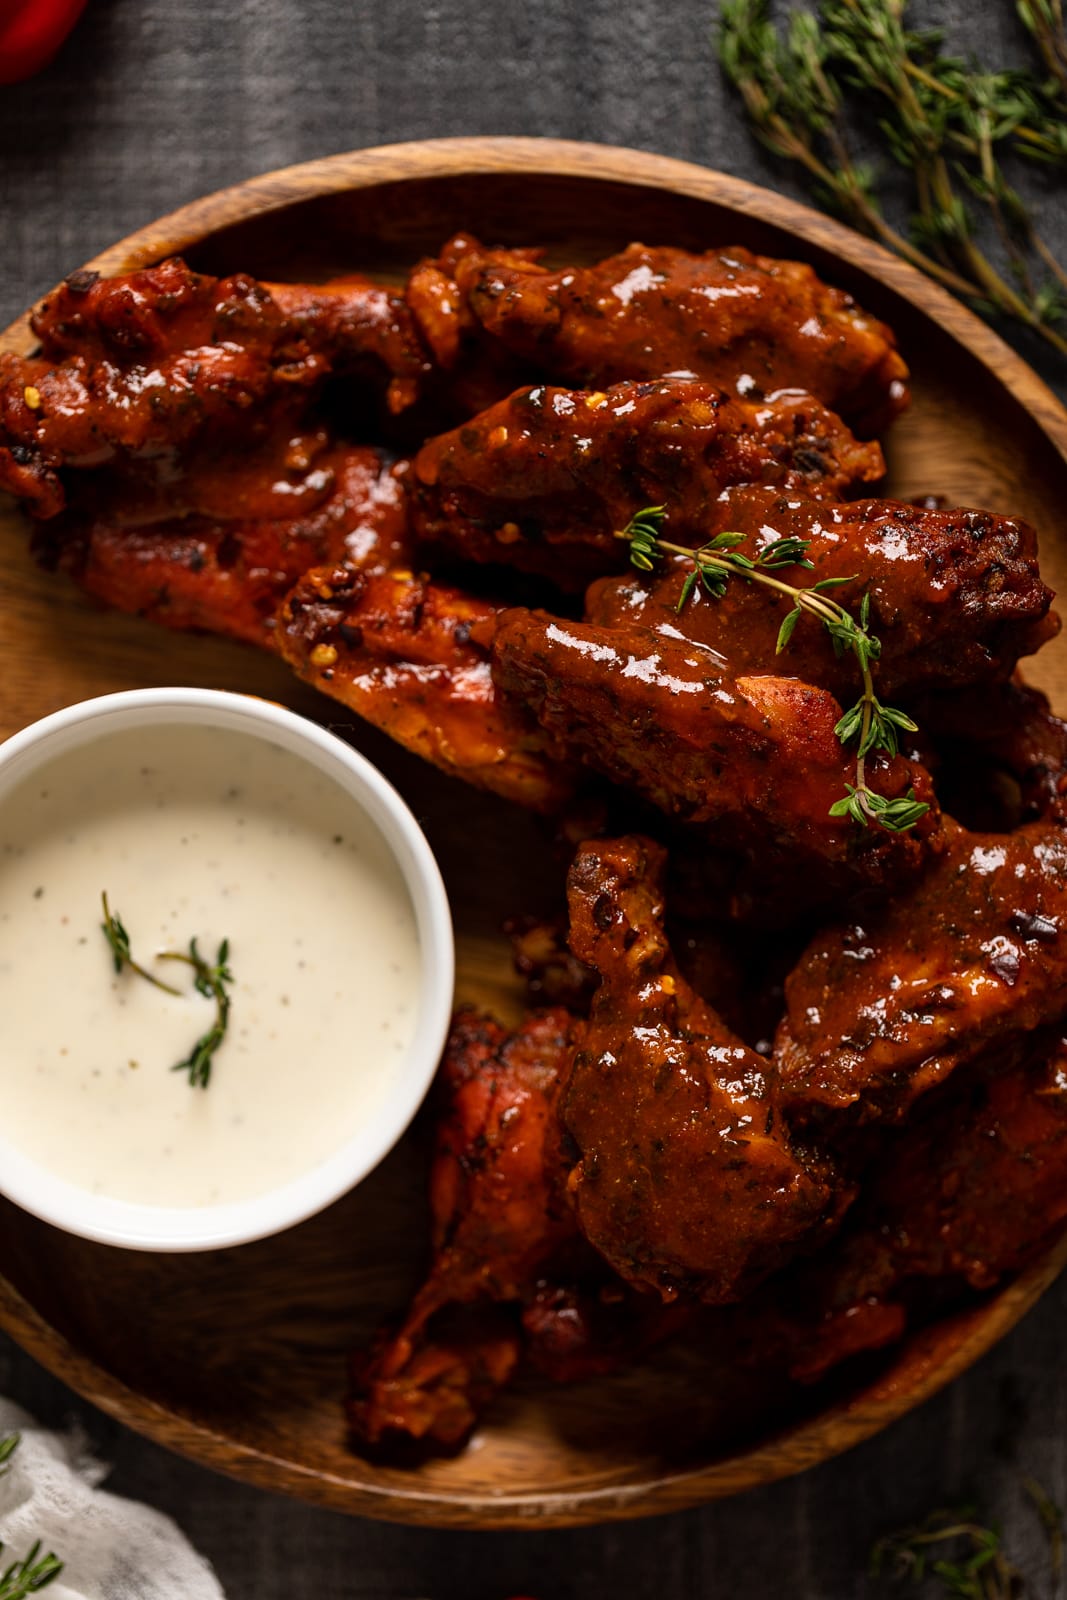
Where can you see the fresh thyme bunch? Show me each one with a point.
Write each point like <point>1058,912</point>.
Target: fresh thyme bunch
<point>944,120</point>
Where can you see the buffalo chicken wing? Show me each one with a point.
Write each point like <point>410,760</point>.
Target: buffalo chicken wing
<point>510,1276</point>
<point>412,657</point>
<point>955,596</point>
<point>744,322</point>
<point>230,576</point>
<point>687,1181</point>
<point>499,1214</point>
<point>542,480</point>
<point>959,1199</point>
<point>881,1010</point>
<point>758,753</point>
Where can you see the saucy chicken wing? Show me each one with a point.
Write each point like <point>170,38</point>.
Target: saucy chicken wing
<point>161,310</point>
<point>360,327</point>
<point>881,1010</point>
<point>229,576</point>
<point>510,1276</point>
<point>135,367</point>
<point>138,366</point>
<point>959,1199</point>
<point>955,596</point>
<point>542,480</point>
<point>1002,738</point>
<point>412,657</point>
<point>745,322</point>
<point>499,1214</point>
<point>757,753</point>
<point>687,1182</point>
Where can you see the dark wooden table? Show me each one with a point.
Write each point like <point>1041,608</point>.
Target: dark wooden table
<point>154,102</point>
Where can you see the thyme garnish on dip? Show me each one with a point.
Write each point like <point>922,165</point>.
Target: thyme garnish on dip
<point>869,725</point>
<point>209,979</point>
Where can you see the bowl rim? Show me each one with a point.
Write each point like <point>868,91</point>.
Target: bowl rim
<point>919,1373</point>
<point>135,1225</point>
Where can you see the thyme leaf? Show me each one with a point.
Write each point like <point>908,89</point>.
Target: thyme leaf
<point>973,1567</point>
<point>868,725</point>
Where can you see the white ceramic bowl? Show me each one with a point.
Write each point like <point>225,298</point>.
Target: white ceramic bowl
<point>152,1227</point>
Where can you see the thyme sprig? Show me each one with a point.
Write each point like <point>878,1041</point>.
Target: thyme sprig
<point>869,725</point>
<point>35,1571</point>
<point>1044,20</point>
<point>209,979</point>
<point>972,1564</point>
<point>965,1555</point>
<point>944,120</point>
<point>30,1575</point>
<point>119,941</point>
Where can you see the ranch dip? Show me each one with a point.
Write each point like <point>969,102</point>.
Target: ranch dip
<point>195,832</point>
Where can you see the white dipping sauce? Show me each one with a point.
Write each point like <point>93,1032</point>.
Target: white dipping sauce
<point>201,832</point>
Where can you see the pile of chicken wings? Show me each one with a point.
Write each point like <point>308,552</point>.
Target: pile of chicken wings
<point>804,1071</point>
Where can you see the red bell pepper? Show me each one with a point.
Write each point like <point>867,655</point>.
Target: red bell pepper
<point>31,31</point>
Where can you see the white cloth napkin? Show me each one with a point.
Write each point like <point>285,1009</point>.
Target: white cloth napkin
<point>112,1549</point>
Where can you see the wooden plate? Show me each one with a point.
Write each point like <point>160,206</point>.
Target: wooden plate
<point>237,1359</point>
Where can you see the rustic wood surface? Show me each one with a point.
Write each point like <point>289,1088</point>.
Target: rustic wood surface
<point>783,1540</point>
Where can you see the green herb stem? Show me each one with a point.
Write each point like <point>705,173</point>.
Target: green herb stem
<point>973,1565</point>
<point>1044,20</point>
<point>209,981</point>
<point>119,941</point>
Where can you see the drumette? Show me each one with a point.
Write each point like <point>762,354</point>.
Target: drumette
<point>688,1182</point>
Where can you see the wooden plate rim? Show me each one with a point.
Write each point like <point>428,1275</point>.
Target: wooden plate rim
<point>838,1428</point>
<point>848,1421</point>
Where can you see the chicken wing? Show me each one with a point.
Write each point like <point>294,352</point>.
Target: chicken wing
<point>882,1010</point>
<point>958,1200</point>
<point>351,322</point>
<point>229,576</point>
<point>499,1215</point>
<point>745,322</point>
<point>757,754</point>
<point>1003,750</point>
<point>687,1182</point>
<point>541,480</point>
<point>955,596</point>
<point>412,657</point>
<point>137,366</point>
